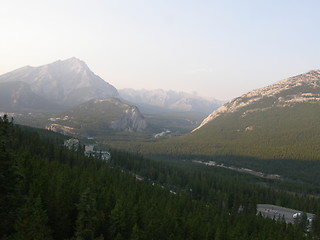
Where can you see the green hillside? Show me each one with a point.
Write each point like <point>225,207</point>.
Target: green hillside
<point>50,192</point>
<point>98,117</point>
<point>280,121</point>
<point>292,132</point>
<point>278,133</point>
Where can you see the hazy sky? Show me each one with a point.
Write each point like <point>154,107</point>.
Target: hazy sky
<point>219,49</point>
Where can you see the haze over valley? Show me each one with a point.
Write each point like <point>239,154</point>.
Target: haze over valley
<point>159,120</point>
<point>79,103</point>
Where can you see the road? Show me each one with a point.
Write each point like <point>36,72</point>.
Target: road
<point>273,211</point>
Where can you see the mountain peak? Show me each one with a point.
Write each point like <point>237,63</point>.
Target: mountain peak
<point>70,64</point>
<point>74,60</point>
<point>66,82</point>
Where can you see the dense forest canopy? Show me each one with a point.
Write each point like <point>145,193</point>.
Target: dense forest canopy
<point>50,192</point>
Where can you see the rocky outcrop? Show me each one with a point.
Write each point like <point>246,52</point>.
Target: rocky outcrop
<point>131,121</point>
<point>61,129</point>
<point>98,117</point>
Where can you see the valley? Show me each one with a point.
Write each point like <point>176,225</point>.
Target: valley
<point>171,157</point>
<point>242,170</point>
<point>159,120</point>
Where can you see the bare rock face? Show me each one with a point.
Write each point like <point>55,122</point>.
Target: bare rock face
<point>131,121</point>
<point>303,88</point>
<point>61,129</point>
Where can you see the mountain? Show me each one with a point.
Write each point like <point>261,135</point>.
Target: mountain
<point>98,117</point>
<point>154,101</point>
<point>17,96</point>
<point>277,121</point>
<point>290,92</point>
<point>66,83</point>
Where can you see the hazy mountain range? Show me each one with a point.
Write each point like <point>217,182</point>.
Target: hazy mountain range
<point>69,86</point>
<point>61,84</point>
<point>277,121</point>
<point>161,100</point>
<point>65,84</point>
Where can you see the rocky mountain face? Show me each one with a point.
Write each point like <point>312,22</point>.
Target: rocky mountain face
<point>131,121</point>
<point>303,88</point>
<point>62,83</point>
<point>15,96</point>
<point>98,117</point>
<point>161,100</point>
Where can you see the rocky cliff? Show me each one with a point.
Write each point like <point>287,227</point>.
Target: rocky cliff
<point>131,121</point>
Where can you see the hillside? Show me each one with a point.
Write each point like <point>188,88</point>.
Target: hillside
<point>98,117</point>
<point>50,192</point>
<point>278,121</point>
<point>64,83</point>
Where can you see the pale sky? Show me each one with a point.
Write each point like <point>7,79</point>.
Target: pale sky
<point>219,49</point>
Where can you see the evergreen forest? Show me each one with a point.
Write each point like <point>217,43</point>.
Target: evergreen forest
<point>50,192</point>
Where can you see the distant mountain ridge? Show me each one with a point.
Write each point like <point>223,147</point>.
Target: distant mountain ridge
<point>63,83</point>
<point>160,100</point>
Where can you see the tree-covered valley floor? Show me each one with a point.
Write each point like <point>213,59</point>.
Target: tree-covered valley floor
<point>50,192</point>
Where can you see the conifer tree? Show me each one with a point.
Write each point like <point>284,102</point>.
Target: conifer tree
<point>118,220</point>
<point>8,178</point>
<point>316,225</point>
<point>87,216</point>
<point>32,221</point>
<point>136,233</point>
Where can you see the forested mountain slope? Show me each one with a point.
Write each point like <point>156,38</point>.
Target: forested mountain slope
<point>98,117</point>
<point>280,121</point>
<point>49,192</point>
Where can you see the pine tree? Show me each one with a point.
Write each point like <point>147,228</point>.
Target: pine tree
<point>316,225</point>
<point>301,221</point>
<point>136,233</point>
<point>8,178</point>
<point>32,221</point>
<point>118,220</point>
<point>87,216</point>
